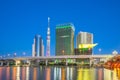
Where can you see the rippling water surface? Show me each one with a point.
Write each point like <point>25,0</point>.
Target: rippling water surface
<point>58,73</point>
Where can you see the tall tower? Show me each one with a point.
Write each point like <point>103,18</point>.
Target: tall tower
<point>48,39</point>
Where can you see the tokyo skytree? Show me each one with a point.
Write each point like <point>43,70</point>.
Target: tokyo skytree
<point>48,39</point>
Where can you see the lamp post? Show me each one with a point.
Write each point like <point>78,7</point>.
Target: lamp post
<point>99,50</point>
<point>15,54</point>
<point>8,55</point>
<point>24,53</point>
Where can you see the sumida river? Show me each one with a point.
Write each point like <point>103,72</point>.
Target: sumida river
<point>58,73</point>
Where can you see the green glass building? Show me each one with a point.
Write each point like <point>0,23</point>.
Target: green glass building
<point>65,39</point>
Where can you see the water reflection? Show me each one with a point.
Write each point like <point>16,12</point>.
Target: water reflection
<point>18,73</point>
<point>100,74</point>
<point>23,73</point>
<point>58,73</point>
<point>14,73</point>
<point>35,73</point>
<point>27,73</point>
<point>95,74</point>
<point>7,73</point>
<point>82,73</point>
<point>108,74</point>
<point>62,73</point>
<point>114,74</point>
<point>69,73</point>
<point>118,73</point>
<point>0,73</point>
<point>48,73</point>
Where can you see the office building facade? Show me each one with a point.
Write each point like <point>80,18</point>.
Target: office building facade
<point>38,47</point>
<point>84,43</point>
<point>84,38</point>
<point>65,39</point>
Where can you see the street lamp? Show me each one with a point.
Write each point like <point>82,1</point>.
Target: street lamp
<point>24,53</point>
<point>99,50</point>
<point>8,55</point>
<point>15,54</point>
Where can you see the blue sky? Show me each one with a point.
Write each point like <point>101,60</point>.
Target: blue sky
<point>20,20</point>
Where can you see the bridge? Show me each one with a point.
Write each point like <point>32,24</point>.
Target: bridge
<point>57,57</point>
<point>48,58</point>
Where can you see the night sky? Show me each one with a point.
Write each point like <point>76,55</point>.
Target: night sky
<point>20,20</point>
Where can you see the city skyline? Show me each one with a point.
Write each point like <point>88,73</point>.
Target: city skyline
<point>20,21</point>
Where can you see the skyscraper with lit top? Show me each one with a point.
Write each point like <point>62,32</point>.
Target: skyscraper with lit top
<point>65,39</point>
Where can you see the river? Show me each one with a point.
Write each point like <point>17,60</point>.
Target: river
<point>58,73</point>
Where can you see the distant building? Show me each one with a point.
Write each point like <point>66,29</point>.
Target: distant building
<point>85,46</point>
<point>38,47</point>
<point>65,39</point>
<point>84,43</point>
<point>84,38</point>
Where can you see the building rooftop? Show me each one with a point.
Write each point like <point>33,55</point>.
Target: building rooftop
<point>66,25</point>
<point>84,32</point>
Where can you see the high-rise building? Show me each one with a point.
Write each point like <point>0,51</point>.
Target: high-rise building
<point>85,46</point>
<point>65,39</point>
<point>84,43</point>
<point>48,39</point>
<point>84,38</point>
<point>38,47</point>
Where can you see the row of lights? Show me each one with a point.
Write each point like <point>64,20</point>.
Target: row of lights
<point>114,52</point>
<point>14,55</point>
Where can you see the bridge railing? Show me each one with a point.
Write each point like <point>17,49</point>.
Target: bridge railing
<point>57,57</point>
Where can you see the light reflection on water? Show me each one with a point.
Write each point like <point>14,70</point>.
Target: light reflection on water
<point>14,74</point>
<point>58,73</point>
<point>27,73</point>
<point>18,73</point>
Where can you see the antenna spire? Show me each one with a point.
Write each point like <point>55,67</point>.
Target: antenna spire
<point>48,21</point>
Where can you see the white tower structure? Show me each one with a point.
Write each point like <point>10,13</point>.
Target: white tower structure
<point>48,39</point>
<point>33,49</point>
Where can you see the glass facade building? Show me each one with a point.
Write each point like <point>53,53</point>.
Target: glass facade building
<point>65,39</point>
<point>38,46</point>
